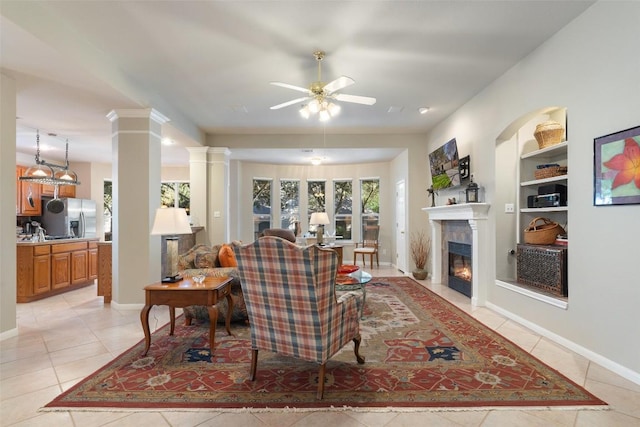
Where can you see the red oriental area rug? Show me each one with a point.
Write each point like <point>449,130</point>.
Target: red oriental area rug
<point>421,352</point>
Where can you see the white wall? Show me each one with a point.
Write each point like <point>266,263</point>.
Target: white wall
<point>592,67</point>
<point>8,190</point>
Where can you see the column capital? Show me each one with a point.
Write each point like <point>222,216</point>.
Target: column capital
<point>197,154</point>
<point>219,150</point>
<point>138,113</point>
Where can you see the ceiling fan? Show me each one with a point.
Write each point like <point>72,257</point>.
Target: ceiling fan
<point>321,95</point>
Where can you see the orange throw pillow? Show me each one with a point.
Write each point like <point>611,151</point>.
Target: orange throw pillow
<point>226,257</point>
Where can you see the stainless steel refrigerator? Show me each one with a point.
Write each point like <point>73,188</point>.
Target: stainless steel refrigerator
<point>77,218</point>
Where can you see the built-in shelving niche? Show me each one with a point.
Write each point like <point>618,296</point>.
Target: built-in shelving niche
<point>517,153</point>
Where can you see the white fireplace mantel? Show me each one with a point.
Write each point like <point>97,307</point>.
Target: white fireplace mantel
<point>477,215</point>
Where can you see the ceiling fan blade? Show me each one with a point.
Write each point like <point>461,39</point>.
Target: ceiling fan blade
<point>286,104</point>
<point>355,98</point>
<point>288,86</point>
<point>339,83</point>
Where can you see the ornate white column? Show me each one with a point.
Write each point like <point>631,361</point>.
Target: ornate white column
<point>136,255</point>
<point>198,172</point>
<point>218,194</point>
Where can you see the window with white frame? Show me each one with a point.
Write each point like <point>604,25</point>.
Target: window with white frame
<point>342,208</point>
<point>261,205</point>
<point>290,204</point>
<point>175,195</point>
<point>316,200</point>
<point>369,202</point>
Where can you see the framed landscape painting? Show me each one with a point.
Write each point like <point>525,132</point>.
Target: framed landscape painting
<point>617,168</point>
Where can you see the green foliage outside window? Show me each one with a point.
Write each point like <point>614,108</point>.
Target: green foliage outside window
<point>170,191</point>
<point>343,208</point>
<point>370,202</point>
<point>289,203</point>
<point>261,205</point>
<point>316,192</point>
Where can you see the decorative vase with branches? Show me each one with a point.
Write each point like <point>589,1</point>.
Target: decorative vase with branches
<point>420,251</point>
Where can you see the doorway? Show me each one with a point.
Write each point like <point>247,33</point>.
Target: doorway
<point>401,235</point>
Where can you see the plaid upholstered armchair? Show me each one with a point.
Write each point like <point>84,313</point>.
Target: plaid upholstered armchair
<point>290,296</point>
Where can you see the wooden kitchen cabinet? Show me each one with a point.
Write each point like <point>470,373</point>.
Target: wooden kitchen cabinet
<point>60,270</point>
<point>93,260</point>
<point>104,271</point>
<point>63,190</point>
<point>41,274</point>
<point>79,266</point>
<point>28,196</point>
<point>45,268</point>
<point>33,272</point>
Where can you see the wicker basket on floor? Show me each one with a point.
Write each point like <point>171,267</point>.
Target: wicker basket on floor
<point>550,172</point>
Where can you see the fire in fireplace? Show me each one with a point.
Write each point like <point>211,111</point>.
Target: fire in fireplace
<point>460,272</point>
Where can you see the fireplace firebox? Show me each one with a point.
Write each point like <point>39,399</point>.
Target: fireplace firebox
<point>460,271</point>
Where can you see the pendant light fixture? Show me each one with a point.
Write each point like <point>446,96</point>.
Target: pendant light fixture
<point>48,173</point>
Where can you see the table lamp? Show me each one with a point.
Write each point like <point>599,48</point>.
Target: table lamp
<point>171,222</point>
<point>319,219</point>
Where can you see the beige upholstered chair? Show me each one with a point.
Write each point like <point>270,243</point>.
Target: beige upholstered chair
<point>368,246</point>
<point>291,300</point>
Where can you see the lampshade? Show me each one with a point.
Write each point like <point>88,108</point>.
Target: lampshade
<point>319,218</point>
<point>304,112</point>
<point>66,175</point>
<point>171,221</point>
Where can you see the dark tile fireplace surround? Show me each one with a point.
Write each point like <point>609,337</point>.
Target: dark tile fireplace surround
<point>460,267</point>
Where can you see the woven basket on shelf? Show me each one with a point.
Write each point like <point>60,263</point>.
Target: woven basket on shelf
<point>548,134</point>
<point>544,234</point>
<point>550,172</point>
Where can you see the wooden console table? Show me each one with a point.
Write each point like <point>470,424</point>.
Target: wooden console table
<point>183,294</point>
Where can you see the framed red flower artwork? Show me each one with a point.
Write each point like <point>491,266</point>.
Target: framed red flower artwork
<point>617,168</point>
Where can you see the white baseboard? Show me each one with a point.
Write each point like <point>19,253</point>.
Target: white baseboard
<point>591,355</point>
<point>119,306</point>
<point>9,334</point>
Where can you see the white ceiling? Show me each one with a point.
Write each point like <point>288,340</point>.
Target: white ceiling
<point>207,65</point>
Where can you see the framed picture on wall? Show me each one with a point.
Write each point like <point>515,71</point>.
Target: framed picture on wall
<point>617,168</point>
<point>465,167</point>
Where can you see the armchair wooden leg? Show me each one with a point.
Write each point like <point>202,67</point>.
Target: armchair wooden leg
<point>321,381</point>
<point>254,364</point>
<point>356,349</point>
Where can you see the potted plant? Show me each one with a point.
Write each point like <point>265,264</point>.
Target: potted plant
<point>420,250</point>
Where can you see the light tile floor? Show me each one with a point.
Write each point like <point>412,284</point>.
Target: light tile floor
<point>63,339</point>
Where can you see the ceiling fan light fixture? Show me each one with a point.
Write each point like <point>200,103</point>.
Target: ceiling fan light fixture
<point>314,106</point>
<point>324,115</point>
<point>320,94</point>
<point>304,112</point>
<point>334,109</point>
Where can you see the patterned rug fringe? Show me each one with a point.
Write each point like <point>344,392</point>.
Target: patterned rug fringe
<point>335,409</point>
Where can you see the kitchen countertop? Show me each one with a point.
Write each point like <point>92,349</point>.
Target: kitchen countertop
<point>54,242</point>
